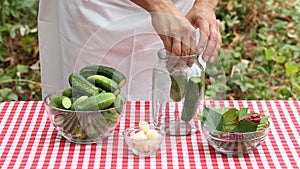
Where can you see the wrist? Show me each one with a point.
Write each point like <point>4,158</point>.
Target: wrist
<point>153,5</point>
<point>211,3</point>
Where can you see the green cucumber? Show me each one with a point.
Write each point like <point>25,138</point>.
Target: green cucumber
<point>178,83</point>
<point>192,98</point>
<point>67,92</point>
<point>78,101</point>
<point>104,83</point>
<point>62,102</point>
<point>82,85</point>
<point>98,102</point>
<point>117,106</point>
<point>72,93</point>
<point>106,71</point>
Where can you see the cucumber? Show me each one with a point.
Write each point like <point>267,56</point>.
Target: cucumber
<point>104,83</point>
<point>106,71</point>
<point>82,85</point>
<point>62,102</point>
<point>98,102</point>
<point>67,92</point>
<point>72,93</point>
<point>117,106</point>
<point>192,98</point>
<point>178,83</point>
<point>78,101</point>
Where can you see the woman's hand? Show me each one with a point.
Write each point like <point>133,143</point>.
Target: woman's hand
<point>202,16</point>
<point>174,29</point>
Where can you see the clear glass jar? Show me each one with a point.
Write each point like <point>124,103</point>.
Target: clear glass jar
<point>177,93</point>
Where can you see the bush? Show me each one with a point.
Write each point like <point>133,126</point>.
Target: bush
<point>261,49</point>
<point>19,72</point>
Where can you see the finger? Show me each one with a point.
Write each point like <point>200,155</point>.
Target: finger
<point>193,43</point>
<point>204,34</point>
<point>175,53</point>
<point>212,46</point>
<point>188,40</point>
<point>167,41</point>
<point>176,47</point>
<point>217,49</point>
<point>208,53</point>
<point>185,45</point>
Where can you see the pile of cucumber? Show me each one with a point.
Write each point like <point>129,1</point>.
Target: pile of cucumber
<point>94,88</point>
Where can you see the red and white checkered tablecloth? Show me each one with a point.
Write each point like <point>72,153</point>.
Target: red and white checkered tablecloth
<point>28,140</point>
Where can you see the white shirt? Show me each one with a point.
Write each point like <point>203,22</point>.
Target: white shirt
<point>116,33</point>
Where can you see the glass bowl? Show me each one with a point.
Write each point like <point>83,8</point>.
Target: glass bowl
<point>143,147</point>
<point>83,127</point>
<point>233,143</point>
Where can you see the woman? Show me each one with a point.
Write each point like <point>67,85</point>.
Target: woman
<point>122,34</point>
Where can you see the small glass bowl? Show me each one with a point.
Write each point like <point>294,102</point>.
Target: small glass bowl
<point>143,147</point>
<point>233,143</point>
<point>83,127</point>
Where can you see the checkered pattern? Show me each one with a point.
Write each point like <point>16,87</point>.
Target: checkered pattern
<point>28,140</point>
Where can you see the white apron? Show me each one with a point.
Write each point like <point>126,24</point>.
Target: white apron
<point>116,33</point>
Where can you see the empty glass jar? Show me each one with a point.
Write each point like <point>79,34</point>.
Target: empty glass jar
<point>178,93</point>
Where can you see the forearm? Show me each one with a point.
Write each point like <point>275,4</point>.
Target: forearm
<point>153,5</point>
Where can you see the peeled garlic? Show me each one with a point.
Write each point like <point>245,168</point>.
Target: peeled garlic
<point>139,135</point>
<point>144,126</point>
<point>151,134</point>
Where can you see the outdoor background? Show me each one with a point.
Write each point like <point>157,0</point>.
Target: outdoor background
<point>260,53</point>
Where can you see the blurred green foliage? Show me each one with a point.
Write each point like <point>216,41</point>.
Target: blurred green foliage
<point>260,55</point>
<point>261,48</point>
<point>19,62</point>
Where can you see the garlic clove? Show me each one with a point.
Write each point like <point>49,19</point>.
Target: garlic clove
<point>139,135</point>
<point>151,134</point>
<point>144,126</point>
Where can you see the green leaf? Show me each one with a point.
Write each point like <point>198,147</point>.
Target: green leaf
<point>230,116</point>
<point>12,97</point>
<point>291,68</point>
<point>281,59</point>
<point>242,113</point>
<point>212,119</point>
<point>246,126</point>
<point>22,68</point>
<point>5,91</point>
<point>265,119</point>
<point>229,128</point>
<point>270,53</point>
<point>229,119</point>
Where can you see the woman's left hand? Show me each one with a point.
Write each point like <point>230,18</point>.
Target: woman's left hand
<point>202,16</point>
